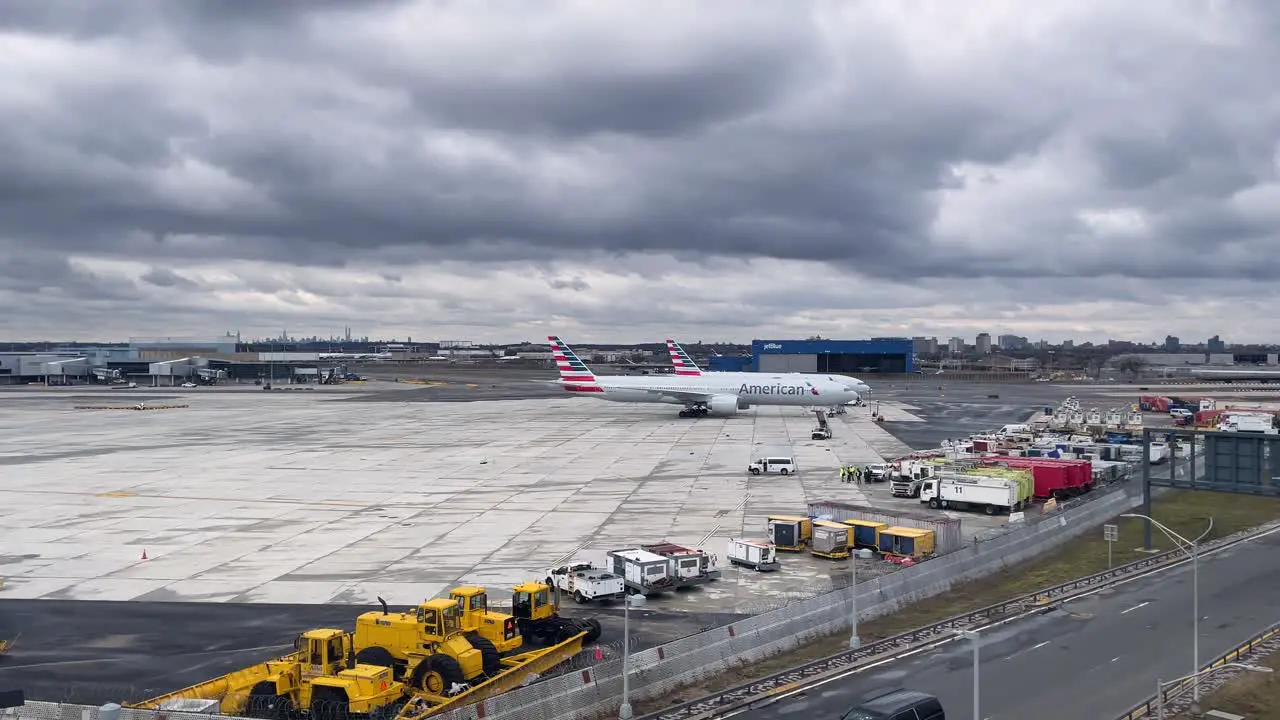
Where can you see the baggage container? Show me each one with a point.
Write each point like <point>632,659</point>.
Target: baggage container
<point>790,533</point>
<point>831,540</point>
<point>906,542</point>
<point>866,533</point>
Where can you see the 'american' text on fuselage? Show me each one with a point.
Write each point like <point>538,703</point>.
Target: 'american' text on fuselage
<point>771,389</point>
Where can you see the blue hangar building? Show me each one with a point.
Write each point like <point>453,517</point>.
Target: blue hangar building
<point>853,357</point>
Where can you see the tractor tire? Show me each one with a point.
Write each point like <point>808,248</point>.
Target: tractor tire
<point>594,631</point>
<point>375,655</point>
<point>437,673</point>
<point>265,704</point>
<point>330,704</point>
<point>490,658</point>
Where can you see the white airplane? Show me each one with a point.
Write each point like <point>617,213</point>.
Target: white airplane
<point>686,367</point>
<point>718,394</point>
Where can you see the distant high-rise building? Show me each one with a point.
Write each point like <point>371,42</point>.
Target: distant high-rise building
<point>921,345</point>
<point>1172,344</point>
<point>1068,344</point>
<point>1012,342</point>
<point>955,346</point>
<point>983,343</point>
<point>1215,345</point>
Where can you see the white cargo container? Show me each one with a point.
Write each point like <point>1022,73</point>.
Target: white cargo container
<point>585,583</point>
<point>756,554</point>
<point>1248,423</point>
<point>689,566</point>
<point>1158,453</point>
<point>643,572</point>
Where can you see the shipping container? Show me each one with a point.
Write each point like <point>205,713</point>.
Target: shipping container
<point>1053,477</point>
<point>790,533</point>
<point>831,539</point>
<point>946,530</point>
<point>866,533</point>
<point>906,542</point>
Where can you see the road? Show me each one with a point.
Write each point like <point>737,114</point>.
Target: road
<point>1092,658</point>
<point>95,651</point>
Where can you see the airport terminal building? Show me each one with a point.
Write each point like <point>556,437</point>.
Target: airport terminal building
<point>877,355</point>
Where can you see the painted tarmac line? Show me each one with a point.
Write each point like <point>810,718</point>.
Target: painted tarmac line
<point>1139,606</point>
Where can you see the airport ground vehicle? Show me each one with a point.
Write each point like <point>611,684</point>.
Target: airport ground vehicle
<point>900,704</point>
<point>974,492</point>
<point>822,432</point>
<point>759,556</point>
<point>645,573</point>
<point>1248,423</point>
<point>500,629</point>
<point>538,616</point>
<point>322,681</point>
<point>317,679</point>
<point>877,472</point>
<point>910,476</point>
<point>688,566</point>
<point>781,464</point>
<point>426,647</point>
<point>585,582</point>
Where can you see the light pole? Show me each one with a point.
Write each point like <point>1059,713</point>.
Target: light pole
<point>854,641</point>
<point>1196,676</point>
<point>624,711</point>
<point>1194,552</point>
<point>977,683</point>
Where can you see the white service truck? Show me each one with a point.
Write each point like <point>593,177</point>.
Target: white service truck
<point>586,582</point>
<point>976,492</point>
<point>1248,423</point>
<point>909,477</point>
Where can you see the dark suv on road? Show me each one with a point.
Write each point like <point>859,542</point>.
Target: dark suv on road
<point>898,705</point>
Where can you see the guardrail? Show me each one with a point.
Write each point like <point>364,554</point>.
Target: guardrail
<point>765,689</point>
<point>1267,640</point>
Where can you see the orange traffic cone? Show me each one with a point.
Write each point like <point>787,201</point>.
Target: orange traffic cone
<point>144,553</point>
<point>599,654</point>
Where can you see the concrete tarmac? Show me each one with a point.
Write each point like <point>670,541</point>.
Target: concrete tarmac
<point>1091,658</point>
<point>94,652</point>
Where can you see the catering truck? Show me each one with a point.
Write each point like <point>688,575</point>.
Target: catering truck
<point>975,492</point>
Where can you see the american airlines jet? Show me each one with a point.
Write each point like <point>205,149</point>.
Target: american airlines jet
<point>715,394</point>
<point>686,367</point>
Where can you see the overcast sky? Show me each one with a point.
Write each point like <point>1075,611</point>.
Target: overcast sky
<point>613,171</point>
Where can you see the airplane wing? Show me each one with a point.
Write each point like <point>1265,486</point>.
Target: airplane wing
<point>679,395</point>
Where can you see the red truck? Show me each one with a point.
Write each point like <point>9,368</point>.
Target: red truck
<point>1059,478</point>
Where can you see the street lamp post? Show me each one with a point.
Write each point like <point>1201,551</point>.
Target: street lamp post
<point>854,641</point>
<point>1194,553</point>
<point>977,683</point>
<point>624,711</point>
<point>1196,676</point>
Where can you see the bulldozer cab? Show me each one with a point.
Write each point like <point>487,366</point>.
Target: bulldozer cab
<point>440,619</point>
<point>532,601</point>
<point>325,653</point>
<point>472,599</point>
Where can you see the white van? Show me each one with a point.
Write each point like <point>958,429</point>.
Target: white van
<point>1014,429</point>
<point>781,464</point>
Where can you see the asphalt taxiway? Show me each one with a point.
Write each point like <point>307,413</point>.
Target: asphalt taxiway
<point>1094,657</point>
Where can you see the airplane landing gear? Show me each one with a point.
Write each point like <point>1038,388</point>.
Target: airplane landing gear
<point>695,411</point>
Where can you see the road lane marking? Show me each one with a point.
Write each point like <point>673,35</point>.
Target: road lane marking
<point>1135,607</point>
<point>1037,647</point>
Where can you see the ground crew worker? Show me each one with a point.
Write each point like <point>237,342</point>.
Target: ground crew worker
<point>843,471</point>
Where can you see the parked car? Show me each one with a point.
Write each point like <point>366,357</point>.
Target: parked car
<point>900,704</point>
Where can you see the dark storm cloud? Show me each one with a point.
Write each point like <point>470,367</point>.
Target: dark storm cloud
<point>327,134</point>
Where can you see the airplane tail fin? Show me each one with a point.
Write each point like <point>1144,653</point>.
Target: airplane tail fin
<point>684,364</point>
<point>574,373</point>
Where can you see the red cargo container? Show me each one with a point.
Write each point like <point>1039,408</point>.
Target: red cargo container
<point>1053,477</point>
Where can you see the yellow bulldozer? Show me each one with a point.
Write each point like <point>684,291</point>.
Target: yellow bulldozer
<point>536,617</point>
<point>319,679</point>
<point>425,647</point>
<point>498,628</point>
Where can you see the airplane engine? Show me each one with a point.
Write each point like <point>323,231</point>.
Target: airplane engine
<point>723,405</point>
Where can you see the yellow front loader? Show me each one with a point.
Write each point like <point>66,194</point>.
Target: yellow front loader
<point>320,679</point>
<point>500,629</point>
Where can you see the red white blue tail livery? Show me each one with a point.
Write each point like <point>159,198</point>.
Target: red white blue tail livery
<point>574,373</point>
<point>684,365</point>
